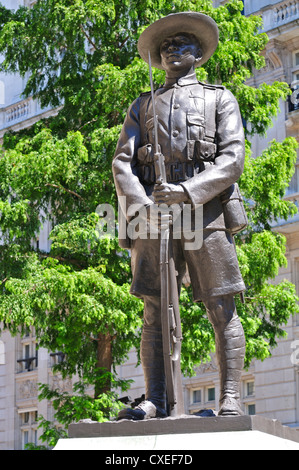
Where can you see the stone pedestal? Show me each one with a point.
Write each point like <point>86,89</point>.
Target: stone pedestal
<point>181,434</point>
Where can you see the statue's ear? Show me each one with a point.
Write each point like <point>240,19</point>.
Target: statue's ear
<point>199,55</point>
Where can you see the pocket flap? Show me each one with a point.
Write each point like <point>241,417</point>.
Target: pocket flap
<point>195,119</point>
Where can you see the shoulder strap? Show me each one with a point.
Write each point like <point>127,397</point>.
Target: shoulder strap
<point>145,99</point>
<point>210,113</point>
<point>210,92</point>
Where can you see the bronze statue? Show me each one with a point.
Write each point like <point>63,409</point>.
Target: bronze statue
<point>200,134</point>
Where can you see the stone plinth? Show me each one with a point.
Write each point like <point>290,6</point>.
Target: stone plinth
<point>183,433</point>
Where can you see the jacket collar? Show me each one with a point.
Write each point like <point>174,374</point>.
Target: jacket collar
<point>182,81</point>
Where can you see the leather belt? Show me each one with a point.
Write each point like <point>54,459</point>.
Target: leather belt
<point>175,172</point>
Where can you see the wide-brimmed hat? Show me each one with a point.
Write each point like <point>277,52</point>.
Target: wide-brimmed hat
<point>203,27</point>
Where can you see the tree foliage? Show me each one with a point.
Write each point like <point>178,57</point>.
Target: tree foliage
<point>81,56</point>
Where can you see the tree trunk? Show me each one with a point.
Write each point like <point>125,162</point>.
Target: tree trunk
<point>104,362</point>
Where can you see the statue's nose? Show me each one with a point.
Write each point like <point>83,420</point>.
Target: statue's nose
<point>172,47</point>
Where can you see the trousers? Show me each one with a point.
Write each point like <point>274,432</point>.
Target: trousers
<point>230,348</point>
<point>213,268</point>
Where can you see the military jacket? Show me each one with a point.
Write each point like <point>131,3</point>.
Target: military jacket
<point>205,163</point>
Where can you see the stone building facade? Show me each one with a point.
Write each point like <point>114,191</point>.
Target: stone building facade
<point>269,388</point>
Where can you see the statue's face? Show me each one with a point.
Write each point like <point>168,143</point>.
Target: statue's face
<point>179,52</point>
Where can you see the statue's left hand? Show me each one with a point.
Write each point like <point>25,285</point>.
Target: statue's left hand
<point>169,194</point>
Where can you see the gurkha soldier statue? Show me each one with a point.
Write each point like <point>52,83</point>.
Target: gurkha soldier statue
<point>200,135</point>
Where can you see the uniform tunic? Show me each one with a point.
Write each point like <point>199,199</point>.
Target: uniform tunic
<point>204,164</point>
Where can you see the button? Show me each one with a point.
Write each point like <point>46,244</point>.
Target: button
<point>175,133</point>
<point>176,106</point>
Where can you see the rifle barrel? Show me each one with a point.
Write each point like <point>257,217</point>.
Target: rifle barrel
<point>154,105</point>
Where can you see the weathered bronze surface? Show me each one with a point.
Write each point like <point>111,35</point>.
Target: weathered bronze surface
<point>200,135</point>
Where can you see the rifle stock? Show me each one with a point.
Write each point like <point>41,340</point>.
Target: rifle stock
<point>160,170</point>
<point>170,313</point>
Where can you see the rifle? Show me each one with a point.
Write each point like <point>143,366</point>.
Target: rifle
<point>170,313</point>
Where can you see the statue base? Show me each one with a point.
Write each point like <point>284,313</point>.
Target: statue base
<point>186,432</point>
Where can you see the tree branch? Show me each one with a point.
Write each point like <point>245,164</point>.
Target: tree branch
<point>124,41</point>
<point>88,38</point>
<point>65,189</point>
<point>65,260</point>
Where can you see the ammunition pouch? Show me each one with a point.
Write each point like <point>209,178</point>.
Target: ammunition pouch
<point>201,151</point>
<point>205,151</point>
<point>145,154</point>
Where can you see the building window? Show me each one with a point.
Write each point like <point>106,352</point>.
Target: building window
<point>57,358</point>
<point>196,396</point>
<point>27,332</point>
<point>211,394</point>
<point>250,409</point>
<point>250,390</point>
<point>294,98</point>
<point>28,426</point>
<point>202,398</point>
<point>293,187</point>
<point>248,396</point>
<point>28,359</point>
<point>25,439</point>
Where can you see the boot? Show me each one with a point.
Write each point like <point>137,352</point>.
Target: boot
<point>152,362</point>
<point>230,350</point>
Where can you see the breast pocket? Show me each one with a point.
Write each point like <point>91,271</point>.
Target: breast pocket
<point>195,127</point>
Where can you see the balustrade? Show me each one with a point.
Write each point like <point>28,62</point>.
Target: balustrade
<point>287,11</point>
<point>17,111</point>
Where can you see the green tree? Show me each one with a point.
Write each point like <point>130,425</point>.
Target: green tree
<point>80,56</point>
